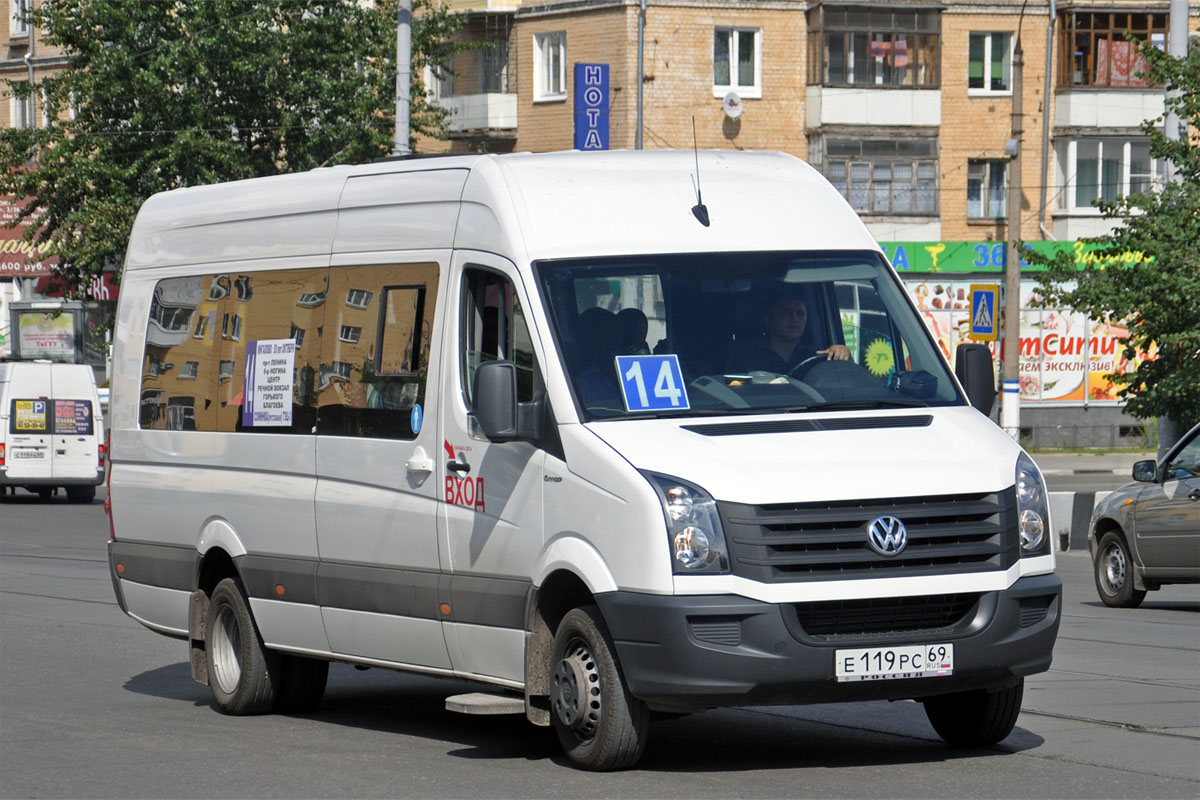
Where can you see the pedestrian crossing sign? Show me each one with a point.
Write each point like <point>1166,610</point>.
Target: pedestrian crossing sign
<point>983,312</point>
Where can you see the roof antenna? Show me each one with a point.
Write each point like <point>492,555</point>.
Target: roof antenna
<point>700,211</point>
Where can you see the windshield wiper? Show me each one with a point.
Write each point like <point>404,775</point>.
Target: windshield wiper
<point>865,403</point>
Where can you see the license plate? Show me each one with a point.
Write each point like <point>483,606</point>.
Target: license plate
<point>27,453</point>
<point>884,663</point>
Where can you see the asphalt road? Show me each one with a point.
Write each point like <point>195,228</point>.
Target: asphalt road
<point>94,705</point>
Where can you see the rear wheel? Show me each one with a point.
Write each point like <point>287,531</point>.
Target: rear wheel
<point>977,718</point>
<point>242,673</point>
<point>600,725</point>
<point>81,494</point>
<point>1114,573</point>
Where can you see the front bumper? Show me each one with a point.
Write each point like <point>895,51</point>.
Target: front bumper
<point>687,653</point>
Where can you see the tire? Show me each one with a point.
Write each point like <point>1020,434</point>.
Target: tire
<point>301,684</point>
<point>600,725</point>
<point>977,718</point>
<point>1114,573</point>
<point>242,674</point>
<point>81,494</point>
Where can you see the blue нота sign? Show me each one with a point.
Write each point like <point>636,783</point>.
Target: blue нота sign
<point>652,383</point>
<point>591,106</point>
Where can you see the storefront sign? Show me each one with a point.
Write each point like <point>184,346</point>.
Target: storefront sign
<point>990,256</point>
<point>591,106</point>
<point>19,258</point>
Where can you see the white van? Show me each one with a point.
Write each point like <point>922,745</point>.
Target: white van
<point>549,423</point>
<point>51,429</point>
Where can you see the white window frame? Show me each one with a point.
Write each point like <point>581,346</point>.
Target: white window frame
<point>987,91</point>
<point>985,190</point>
<point>1070,167</point>
<point>753,91</point>
<point>21,112</point>
<point>350,333</point>
<point>189,371</point>
<point>19,26</point>
<point>358,298</point>
<point>542,42</point>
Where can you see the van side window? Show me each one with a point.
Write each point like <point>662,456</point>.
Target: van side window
<point>375,363</point>
<point>194,366</point>
<point>494,328</point>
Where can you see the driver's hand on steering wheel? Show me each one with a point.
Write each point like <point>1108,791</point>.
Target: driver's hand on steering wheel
<point>835,352</point>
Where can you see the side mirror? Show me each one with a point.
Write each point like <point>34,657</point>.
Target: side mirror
<point>500,416</point>
<point>973,366</point>
<point>1145,471</point>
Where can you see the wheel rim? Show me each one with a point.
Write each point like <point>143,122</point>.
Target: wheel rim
<point>1112,573</point>
<point>226,655</point>
<point>575,693</point>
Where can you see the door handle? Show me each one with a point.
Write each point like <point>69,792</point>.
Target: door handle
<point>420,461</point>
<point>459,465</point>
<point>1194,494</point>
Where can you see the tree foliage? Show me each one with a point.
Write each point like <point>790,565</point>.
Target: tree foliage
<point>1158,295</point>
<point>161,94</point>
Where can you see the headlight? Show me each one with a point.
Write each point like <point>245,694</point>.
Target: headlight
<point>693,526</point>
<point>1033,512</point>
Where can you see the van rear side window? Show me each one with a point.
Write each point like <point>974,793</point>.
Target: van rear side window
<point>257,358</point>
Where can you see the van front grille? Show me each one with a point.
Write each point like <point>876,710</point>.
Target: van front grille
<point>947,534</point>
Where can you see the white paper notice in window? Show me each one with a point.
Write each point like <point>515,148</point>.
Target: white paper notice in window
<point>268,389</point>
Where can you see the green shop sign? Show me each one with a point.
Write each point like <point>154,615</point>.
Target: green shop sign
<point>990,256</point>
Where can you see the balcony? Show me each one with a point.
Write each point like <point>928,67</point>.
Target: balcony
<point>481,112</point>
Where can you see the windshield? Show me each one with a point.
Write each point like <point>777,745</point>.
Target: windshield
<point>739,333</point>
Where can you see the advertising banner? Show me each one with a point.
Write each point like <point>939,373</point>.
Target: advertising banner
<point>29,416</point>
<point>43,334</point>
<point>73,417</point>
<point>990,256</point>
<point>18,258</point>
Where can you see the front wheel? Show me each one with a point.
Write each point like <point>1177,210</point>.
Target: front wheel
<point>977,718</point>
<point>599,724</point>
<point>1114,573</point>
<point>242,673</point>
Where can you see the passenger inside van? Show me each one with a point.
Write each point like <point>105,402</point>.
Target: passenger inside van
<point>633,327</point>
<point>783,345</point>
<point>600,342</point>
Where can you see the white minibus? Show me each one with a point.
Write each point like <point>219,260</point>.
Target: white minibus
<point>555,424</point>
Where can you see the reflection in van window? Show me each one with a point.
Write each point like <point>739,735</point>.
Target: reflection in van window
<point>753,332</point>
<point>374,371</point>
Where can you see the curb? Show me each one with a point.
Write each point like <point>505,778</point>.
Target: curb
<point>1070,514</point>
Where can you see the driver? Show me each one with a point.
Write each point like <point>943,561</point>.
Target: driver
<point>781,350</point>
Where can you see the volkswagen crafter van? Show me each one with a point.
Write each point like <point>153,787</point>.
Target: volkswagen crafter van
<point>520,420</point>
<point>51,430</point>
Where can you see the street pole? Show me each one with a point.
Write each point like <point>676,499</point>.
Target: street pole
<point>1174,127</point>
<point>1010,404</point>
<point>637,144</point>
<point>400,143</point>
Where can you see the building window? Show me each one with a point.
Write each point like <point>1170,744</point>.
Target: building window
<point>358,298</point>
<point>20,25</point>
<point>1107,169</point>
<point>201,328</point>
<point>737,62</point>
<point>986,189</point>
<point>990,64</point>
<point>1094,51</point>
<point>190,370</point>
<point>297,334</point>
<point>225,370</point>
<point>550,66</point>
<point>874,46</point>
<point>350,333</point>
<point>231,327</point>
<point>882,176</point>
<point>22,112</point>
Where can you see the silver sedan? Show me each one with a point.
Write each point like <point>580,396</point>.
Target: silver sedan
<point>1147,534</point>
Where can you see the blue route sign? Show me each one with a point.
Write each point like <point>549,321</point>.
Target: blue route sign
<point>591,106</point>
<point>652,383</point>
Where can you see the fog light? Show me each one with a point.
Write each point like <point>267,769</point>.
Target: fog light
<point>1032,530</point>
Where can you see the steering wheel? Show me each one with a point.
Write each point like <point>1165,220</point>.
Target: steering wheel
<point>805,365</point>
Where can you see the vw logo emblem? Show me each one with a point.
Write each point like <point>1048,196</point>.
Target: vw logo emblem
<point>887,535</point>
